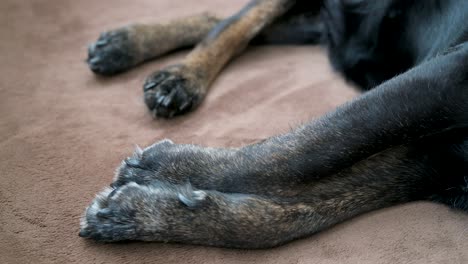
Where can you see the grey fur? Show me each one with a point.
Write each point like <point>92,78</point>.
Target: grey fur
<point>405,140</point>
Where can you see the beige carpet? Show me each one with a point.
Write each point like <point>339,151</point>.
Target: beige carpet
<point>63,131</point>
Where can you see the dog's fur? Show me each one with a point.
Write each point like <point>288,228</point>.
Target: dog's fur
<point>403,140</point>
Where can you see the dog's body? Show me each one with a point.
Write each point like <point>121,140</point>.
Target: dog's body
<point>403,140</point>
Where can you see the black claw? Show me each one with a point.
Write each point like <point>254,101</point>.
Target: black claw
<point>184,106</point>
<point>94,64</point>
<point>160,99</point>
<point>167,101</point>
<point>114,186</point>
<point>94,61</point>
<point>104,213</point>
<point>101,43</point>
<point>149,86</point>
<point>158,79</point>
<point>134,163</point>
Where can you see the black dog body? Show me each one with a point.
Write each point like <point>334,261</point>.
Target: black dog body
<point>370,42</point>
<point>398,42</point>
<point>404,139</point>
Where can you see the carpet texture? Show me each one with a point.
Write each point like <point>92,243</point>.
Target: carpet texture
<point>63,131</point>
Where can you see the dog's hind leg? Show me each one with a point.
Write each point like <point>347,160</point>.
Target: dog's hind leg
<point>121,49</point>
<point>180,88</point>
<point>302,24</point>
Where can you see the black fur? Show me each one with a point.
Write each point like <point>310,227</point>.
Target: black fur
<point>404,139</point>
<point>371,42</point>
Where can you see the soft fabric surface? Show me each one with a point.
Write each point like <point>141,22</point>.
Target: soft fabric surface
<point>63,131</point>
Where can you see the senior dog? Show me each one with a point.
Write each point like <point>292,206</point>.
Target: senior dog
<point>404,139</point>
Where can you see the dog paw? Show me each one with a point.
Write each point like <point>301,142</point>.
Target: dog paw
<point>108,218</point>
<point>173,91</point>
<point>136,212</point>
<point>145,166</point>
<point>112,53</point>
<point>177,164</point>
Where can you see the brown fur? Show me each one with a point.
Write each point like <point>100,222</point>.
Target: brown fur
<point>152,40</point>
<point>376,151</point>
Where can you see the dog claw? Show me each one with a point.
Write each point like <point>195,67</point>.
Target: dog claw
<point>131,162</point>
<point>104,213</point>
<point>168,99</point>
<point>101,43</point>
<point>94,60</point>
<point>149,86</point>
<point>185,106</point>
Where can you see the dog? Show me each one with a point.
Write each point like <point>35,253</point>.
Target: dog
<point>404,139</point>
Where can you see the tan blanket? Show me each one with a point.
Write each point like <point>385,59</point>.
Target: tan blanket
<point>63,131</point>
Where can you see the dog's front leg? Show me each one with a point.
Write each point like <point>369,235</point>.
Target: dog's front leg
<point>158,211</point>
<point>428,99</point>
